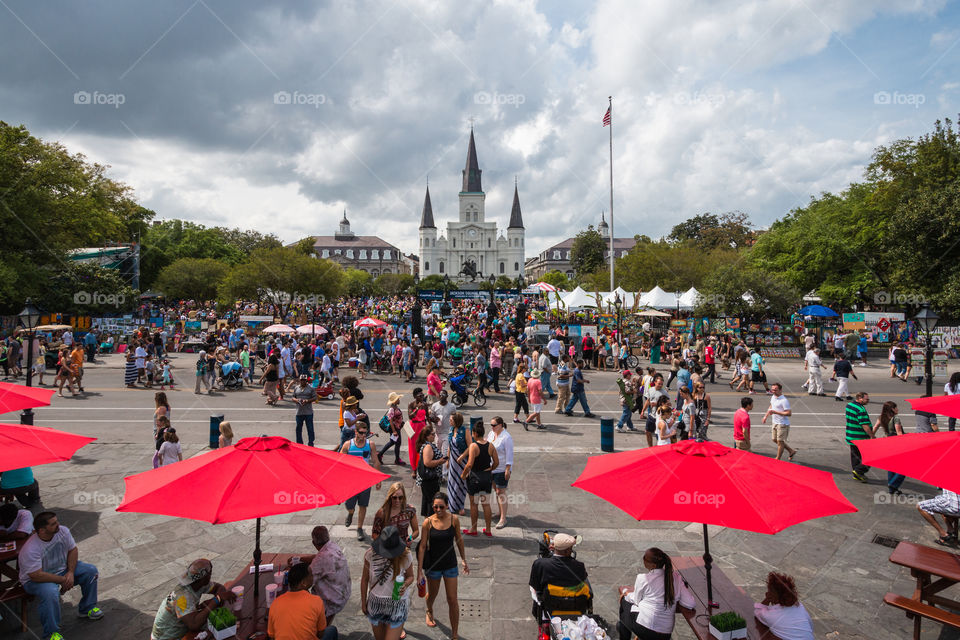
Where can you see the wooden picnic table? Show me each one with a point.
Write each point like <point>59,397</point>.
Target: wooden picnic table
<point>252,617</point>
<point>729,596</point>
<point>934,569</point>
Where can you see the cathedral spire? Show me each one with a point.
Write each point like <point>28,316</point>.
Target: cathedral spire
<point>426,218</point>
<point>516,220</point>
<point>471,174</point>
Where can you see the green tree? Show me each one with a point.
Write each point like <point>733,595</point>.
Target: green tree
<point>191,279</point>
<point>586,254</point>
<point>392,284</point>
<point>692,230</point>
<point>87,289</point>
<point>436,282</point>
<point>504,282</point>
<point>305,245</point>
<point>737,290</point>
<point>558,279</point>
<point>283,276</point>
<point>357,282</point>
<point>51,202</point>
<point>729,230</point>
<point>670,266</point>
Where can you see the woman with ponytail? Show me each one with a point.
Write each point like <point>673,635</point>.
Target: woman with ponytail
<point>648,609</point>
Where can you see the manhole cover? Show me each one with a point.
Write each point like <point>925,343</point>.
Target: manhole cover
<point>887,541</point>
<point>473,610</point>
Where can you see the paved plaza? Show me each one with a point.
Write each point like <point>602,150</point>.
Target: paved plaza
<point>841,573</point>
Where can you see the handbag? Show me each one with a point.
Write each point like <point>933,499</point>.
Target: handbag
<point>156,459</point>
<point>425,473</point>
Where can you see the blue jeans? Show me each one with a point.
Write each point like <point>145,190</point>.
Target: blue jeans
<point>626,418</point>
<point>894,480</point>
<point>580,395</point>
<point>330,633</point>
<point>308,420</point>
<point>48,596</point>
<point>545,383</point>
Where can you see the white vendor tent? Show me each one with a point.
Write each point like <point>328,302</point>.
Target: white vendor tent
<point>658,299</point>
<point>579,299</point>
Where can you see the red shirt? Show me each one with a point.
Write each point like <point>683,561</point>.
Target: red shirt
<point>741,424</point>
<point>708,355</point>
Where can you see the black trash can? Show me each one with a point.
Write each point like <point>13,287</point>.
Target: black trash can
<point>215,421</point>
<point>606,434</point>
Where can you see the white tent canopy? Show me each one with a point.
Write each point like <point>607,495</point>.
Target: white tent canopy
<point>626,298</point>
<point>658,299</point>
<point>689,299</point>
<point>579,299</point>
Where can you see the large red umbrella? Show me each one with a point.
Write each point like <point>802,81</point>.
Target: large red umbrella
<point>929,457</point>
<point>943,405</point>
<point>27,446</point>
<point>14,397</point>
<point>369,322</point>
<point>254,478</point>
<point>709,483</point>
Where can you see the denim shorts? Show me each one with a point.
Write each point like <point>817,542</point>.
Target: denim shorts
<point>452,572</point>
<point>393,623</point>
<point>363,498</point>
<point>500,479</point>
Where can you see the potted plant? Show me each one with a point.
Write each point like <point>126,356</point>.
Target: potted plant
<point>728,626</point>
<point>222,624</point>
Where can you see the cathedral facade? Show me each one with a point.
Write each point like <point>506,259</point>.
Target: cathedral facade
<point>472,241</point>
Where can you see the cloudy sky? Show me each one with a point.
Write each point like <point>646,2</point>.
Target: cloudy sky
<point>277,116</point>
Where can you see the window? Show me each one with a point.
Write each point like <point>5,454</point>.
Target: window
<point>386,255</point>
<point>386,271</point>
<point>501,268</point>
<point>426,266</point>
<point>375,272</point>
<point>488,243</point>
<point>568,255</point>
<point>337,252</point>
<point>375,254</point>
<point>516,266</point>
<point>325,253</point>
<point>441,267</point>
<point>363,254</point>
<point>476,217</point>
<point>623,254</point>
<point>454,243</point>
<point>556,254</point>
<point>570,274</point>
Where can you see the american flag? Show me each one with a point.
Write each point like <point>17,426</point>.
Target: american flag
<point>606,118</point>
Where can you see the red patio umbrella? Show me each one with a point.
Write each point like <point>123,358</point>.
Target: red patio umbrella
<point>943,405</point>
<point>14,397</point>
<point>255,478</point>
<point>929,457</point>
<point>709,483</point>
<point>27,446</point>
<point>369,322</point>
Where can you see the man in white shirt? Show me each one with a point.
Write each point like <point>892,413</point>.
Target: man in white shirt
<point>554,347</point>
<point>67,338</point>
<point>781,412</point>
<point>546,366</point>
<point>48,566</point>
<point>813,364</point>
<point>443,409</point>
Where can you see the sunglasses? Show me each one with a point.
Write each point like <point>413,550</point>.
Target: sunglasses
<point>396,497</point>
<point>439,507</point>
<point>362,434</point>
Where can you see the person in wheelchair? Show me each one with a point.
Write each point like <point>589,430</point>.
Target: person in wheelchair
<point>558,582</point>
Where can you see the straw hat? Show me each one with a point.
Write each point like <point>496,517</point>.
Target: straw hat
<point>393,397</point>
<point>350,401</point>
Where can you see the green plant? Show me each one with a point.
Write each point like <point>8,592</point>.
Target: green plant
<point>727,621</point>
<point>221,618</point>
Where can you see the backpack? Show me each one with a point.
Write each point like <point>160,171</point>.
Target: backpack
<point>385,424</point>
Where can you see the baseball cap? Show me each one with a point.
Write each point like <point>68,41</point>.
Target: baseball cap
<point>563,541</point>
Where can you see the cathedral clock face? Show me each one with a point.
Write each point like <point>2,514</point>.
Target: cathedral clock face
<point>472,233</point>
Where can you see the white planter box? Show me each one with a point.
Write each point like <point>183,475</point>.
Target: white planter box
<point>728,635</point>
<point>229,632</point>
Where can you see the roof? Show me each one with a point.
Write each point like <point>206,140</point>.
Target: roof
<point>516,220</point>
<point>365,242</point>
<point>618,244</point>
<point>426,218</point>
<point>471,173</point>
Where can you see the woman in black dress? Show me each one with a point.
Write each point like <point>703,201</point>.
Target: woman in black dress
<point>437,559</point>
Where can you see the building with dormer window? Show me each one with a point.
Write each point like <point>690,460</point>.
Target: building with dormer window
<point>372,254</point>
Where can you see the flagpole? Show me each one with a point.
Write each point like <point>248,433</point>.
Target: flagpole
<point>610,98</point>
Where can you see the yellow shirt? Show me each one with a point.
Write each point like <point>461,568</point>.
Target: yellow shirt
<point>521,383</point>
<point>296,615</point>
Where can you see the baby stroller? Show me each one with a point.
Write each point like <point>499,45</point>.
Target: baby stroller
<point>231,376</point>
<point>324,390</point>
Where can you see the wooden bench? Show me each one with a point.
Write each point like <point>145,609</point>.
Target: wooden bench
<point>919,610</point>
<point>13,593</point>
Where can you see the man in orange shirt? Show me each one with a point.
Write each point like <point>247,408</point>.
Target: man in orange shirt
<point>298,614</point>
<point>76,366</point>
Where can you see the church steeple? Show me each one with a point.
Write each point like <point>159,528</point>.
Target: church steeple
<point>471,174</point>
<point>426,218</point>
<point>516,220</point>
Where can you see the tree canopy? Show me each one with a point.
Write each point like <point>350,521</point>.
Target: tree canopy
<point>587,252</point>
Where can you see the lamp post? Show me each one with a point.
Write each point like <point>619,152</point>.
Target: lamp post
<point>29,318</point>
<point>927,320</point>
<point>492,307</point>
<point>617,303</point>
<point>678,294</point>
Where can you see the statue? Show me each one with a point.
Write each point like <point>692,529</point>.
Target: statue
<point>469,270</point>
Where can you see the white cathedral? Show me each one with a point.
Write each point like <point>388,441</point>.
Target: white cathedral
<point>472,240</point>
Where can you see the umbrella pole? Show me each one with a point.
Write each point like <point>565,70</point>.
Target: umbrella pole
<point>256,565</point>
<point>707,564</point>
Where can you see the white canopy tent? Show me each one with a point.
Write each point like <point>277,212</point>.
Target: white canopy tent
<point>689,299</point>
<point>626,298</point>
<point>579,299</point>
<point>658,299</point>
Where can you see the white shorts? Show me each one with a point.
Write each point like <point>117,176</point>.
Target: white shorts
<point>536,408</point>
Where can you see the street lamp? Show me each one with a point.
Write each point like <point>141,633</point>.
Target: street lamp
<point>492,307</point>
<point>927,320</point>
<point>678,294</point>
<point>29,318</point>
<point>617,304</point>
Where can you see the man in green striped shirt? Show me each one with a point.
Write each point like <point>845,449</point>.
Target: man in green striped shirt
<point>858,428</point>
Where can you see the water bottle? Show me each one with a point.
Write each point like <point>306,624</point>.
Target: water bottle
<point>397,585</point>
<point>422,588</point>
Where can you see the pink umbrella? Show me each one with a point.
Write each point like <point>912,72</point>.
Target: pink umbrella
<point>369,322</point>
<point>543,286</point>
<point>278,328</point>
<point>311,329</point>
